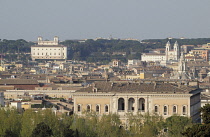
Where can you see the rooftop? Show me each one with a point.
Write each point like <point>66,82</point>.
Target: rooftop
<point>127,87</point>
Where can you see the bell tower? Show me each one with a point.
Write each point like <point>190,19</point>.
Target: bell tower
<point>168,48</point>
<point>176,51</point>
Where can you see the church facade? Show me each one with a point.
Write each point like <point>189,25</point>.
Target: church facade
<point>172,53</point>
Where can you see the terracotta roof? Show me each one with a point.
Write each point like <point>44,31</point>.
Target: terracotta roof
<point>126,87</point>
<point>18,82</point>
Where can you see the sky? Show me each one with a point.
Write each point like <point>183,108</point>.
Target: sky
<point>89,19</point>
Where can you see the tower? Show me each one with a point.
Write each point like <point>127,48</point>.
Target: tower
<point>39,39</point>
<point>56,39</point>
<point>182,64</point>
<point>168,48</point>
<point>176,51</point>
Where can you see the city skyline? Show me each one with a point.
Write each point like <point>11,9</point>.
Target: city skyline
<point>90,19</point>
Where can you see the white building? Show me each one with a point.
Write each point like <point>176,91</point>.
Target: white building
<point>134,62</point>
<point>16,104</point>
<point>153,57</point>
<point>171,54</point>
<point>49,50</point>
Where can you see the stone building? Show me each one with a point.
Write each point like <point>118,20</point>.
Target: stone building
<point>165,99</point>
<point>50,50</point>
<point>171,54</point>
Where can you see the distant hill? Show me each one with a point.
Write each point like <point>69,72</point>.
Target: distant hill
<point>162,42</point>
<point>101,50</point>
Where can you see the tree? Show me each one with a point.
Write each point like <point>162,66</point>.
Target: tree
<point>205,110</point>
<point>200,130</point>
<point>197,130</point>
<point>144,125</point>
<point>177,124</point>
<point>42,130</point>
<point>9,133</point>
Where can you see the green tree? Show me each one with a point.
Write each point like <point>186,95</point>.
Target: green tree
<point>177,124</point>
<point>42,130</point>
<point>200,130</point>
<point>144,125</point>
<point>197,130</point>
<point>205,110</point>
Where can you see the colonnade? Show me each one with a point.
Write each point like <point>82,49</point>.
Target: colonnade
<point>131,104</point>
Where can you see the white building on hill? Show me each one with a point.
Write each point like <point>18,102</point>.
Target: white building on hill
<point>171,54</point>
<point>50,50</point>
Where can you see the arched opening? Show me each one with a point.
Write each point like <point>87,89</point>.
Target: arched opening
<point>78,108</point>
<point>121,104</point>
<point>88,108</point>
<point>174,109</point>
<point>97,108</point>
<point>142,104</point>
<point>165,110</point>
<point>131,102</point>
<point>184,110</point>
<point>106,108</point>
<point>156,109</point>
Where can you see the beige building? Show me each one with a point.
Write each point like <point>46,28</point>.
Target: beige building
<point>165,99</point>
<point>15,94</point>
<point>49,50</point>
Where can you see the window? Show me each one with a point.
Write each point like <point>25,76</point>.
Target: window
<point>184,110</point>
<point>174,109</point>
<point>88,108</point>
<point>156,109</point>
<point>54,53</point>
<point>79,108</point>
<point>165,110</point>
<point>97,108</point>
<point>106,108</point>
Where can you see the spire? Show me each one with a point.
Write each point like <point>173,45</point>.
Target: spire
<point>168,43</point>
<point>176,44</point>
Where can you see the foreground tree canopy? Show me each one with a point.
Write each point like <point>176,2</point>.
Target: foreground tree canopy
<point>45,123</point>
<point>200,130</point>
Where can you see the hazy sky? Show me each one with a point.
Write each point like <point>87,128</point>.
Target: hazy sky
<point>80,19</point>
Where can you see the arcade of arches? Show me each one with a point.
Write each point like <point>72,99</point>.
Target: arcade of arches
<point>131,104</point>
